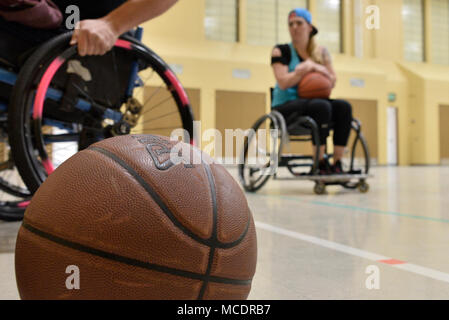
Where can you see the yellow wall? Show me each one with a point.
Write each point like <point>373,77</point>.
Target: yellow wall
<point>178,36</point>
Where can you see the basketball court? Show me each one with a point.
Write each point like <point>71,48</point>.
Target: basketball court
<point>313,247</point>
<point>385,240</point>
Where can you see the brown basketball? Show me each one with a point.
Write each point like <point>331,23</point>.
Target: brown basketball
<point>123,221</point>
<point>314,85</point>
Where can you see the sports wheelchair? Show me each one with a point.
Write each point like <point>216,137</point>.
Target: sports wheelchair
<point>263,155</point>
<point>58,103</point>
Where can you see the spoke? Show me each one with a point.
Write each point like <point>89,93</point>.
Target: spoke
<point>157,118</point>
<point>84,94</point>
<point>161,128</point>
<point>148,78</point>
<point>157,105</point>
<point>151,97</point>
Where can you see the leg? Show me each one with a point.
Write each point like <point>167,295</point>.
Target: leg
<point>321,111</point>
<point>338,152</point>
<point>318,109</point>
<point>342,117</point>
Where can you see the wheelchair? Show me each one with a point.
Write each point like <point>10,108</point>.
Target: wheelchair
<point>264,154</point>
<point>58,103</point>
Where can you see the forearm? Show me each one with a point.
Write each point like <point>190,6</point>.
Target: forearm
<point>325,71</point>
<point>292,79</point>
<point>134,12</point>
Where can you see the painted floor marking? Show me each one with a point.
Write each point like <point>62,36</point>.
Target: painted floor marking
<point>423,271</point>
<point>355,208</point>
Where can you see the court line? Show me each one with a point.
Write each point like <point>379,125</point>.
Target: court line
<point>423,271</point>
<point>355,208</point>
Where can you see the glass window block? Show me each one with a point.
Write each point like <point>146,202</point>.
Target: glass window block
<point>413,23</point>
<point>440,31</point>
<point>327,19</point>
<point>220,22</point>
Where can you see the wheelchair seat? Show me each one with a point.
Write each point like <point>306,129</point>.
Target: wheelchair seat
<point>297,125</point>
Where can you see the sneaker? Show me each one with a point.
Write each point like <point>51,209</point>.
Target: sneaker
<point>337,168</point>
<point>324,167</point>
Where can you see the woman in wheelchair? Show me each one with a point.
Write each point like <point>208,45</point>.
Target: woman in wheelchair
<point>291,62</point>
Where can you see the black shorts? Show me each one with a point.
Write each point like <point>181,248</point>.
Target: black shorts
<point>16,40</point>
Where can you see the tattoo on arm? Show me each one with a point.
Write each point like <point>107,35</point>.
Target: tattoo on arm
<point>327,59</point>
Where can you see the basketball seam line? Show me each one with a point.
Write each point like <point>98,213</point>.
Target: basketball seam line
<point>312,91</point>
<point>214,238</point>
<point>129,261</point>
<point>209,242</point>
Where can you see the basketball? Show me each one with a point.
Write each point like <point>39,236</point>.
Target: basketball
<point>314,85</point>
<point>121,220</point>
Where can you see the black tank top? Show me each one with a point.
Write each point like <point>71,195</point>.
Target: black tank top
<point>90,9</point>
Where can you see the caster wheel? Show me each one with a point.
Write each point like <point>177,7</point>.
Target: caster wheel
<point>320,188</point>
<point>363,187</point>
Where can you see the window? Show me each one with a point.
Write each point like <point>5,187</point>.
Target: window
<point>267,20</point>
<point>327,19</point>
<point>413,22</point>
<point>220,22</point>
<point>261,22</point>
<point>440,31</point>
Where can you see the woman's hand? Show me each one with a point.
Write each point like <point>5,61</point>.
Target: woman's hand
<point>318,68</point>
<point>305,67</point>
<point>94,37</point>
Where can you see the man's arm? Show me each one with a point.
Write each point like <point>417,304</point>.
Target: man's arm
<point>96,37</point>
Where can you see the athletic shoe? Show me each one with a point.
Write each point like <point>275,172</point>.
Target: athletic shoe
<point>337,168</point>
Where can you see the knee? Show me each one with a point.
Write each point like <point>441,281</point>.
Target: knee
<point>322,108</point>
<point>344,108</point>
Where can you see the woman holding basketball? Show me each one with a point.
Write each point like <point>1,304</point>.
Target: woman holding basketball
<point>290,63</point>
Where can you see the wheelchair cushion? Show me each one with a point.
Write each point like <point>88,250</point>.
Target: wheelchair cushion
<point>298,131</point>
<point>299,127</point>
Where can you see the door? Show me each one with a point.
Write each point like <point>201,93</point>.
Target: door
<point>392,135</point>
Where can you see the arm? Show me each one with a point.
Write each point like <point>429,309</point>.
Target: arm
<point>325,68</point>
<point>287,79</point>
<point>327,63</point>
<point>96,37</point>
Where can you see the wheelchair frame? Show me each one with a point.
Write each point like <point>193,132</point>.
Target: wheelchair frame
<point>13,210</point>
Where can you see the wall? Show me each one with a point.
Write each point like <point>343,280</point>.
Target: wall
<point>207,66</point>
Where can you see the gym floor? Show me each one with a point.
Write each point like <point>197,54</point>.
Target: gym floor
<point>390,243</point>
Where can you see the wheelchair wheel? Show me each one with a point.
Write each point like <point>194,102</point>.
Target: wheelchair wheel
<point>62,103</point>
<point>13,210</point>
<point>11,183</point>
<point>260,156</point>
<point>13,192</point>
<point>14,195</point>
<point>357,160</point>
